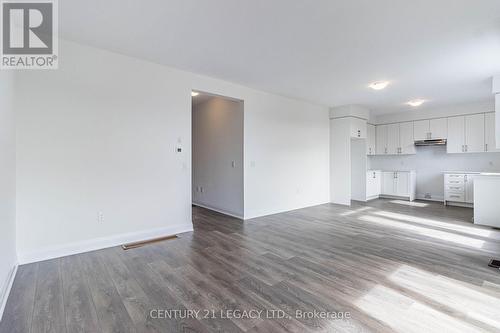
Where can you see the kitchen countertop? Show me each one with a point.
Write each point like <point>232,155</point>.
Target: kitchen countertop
<point>467,172</point>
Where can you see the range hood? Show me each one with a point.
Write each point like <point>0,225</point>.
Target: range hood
<point>432,142</point>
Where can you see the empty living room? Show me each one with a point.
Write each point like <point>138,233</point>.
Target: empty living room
<point>249,166</point>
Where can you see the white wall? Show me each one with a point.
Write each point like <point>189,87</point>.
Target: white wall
<point>8,257</point>
<point>429,162</point>
<point>99,135</point>
<point>340,161</point>
<point>218,155</point>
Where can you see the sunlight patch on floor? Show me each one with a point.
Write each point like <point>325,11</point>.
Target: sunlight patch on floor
<point>433,223</point>
<point>410,203</point>
<point>442,235</point>
<point>452,293</point>
<point>403,314</point>
<point>355,211</point>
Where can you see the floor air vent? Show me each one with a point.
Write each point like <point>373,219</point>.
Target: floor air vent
<point>494,263</point>
<point>146,242</point>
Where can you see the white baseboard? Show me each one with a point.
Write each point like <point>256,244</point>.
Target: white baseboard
<point>218,210</point>
<point>98,244</point>
<point>6,290</point>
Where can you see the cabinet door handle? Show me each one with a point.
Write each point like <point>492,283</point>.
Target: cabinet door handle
<point>485,147</point>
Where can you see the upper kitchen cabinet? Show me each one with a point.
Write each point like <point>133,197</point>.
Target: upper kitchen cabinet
<point>371,138</point>
<point>474,133</point>
<point>456,135</point>
<point>381,139</point>
<point>358,128</point>
<point>406,138</point>
<point>489,134</point>
<point>430,129</point>
<point>421,129</point>
<point>438,128</point>
<point>466,134</point>
<point>393,146</point>
<point>395,139</point>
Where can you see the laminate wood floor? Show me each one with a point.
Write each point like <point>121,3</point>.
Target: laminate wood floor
<point>385,266</point>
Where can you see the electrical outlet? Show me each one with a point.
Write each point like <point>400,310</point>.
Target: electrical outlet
<point>201,189</point>
<point>100,217</point>
<point>428,196</point>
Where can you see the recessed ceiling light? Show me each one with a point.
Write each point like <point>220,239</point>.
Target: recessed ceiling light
<point>416,102</point>
<point>379,85</point>
<point>194,93</point>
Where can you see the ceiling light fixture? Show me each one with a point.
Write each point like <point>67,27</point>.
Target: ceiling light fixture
<point>379,85</point>
<point>194,93</point>
<point>416,102</point>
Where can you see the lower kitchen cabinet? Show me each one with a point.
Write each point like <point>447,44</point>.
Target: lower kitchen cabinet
<point>373,184</point>
<point>459,188</point>
<point>401,184</point>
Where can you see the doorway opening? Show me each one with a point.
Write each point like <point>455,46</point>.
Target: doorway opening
<point>217,153</point>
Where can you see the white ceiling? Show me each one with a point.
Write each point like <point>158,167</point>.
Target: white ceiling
<point>326,51</point>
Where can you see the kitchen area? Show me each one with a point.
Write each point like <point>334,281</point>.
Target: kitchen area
<point>449,159</point>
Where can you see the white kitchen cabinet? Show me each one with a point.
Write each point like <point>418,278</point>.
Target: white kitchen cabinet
<point>430,129</point>
<point>399,184</point>
<point>371,139</point>
<point>406,139</point>
<point>438,128</point>
<point>474,133</point>
<point>421,129</point>
<point>469,188</point>
<point>489,133</point>
<point>466,134</point>
<point>393,139</point>
<point>388,183</point>
<point>358,128</point>
<point>403,183</point>
<point>459,188</point>
<point>373,184</point>
<point>381,139</point>
<point>456,135</point>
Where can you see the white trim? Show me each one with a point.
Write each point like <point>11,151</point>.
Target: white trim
<point>218,210</point>
<point>98,243</point>
<point>6,290</point>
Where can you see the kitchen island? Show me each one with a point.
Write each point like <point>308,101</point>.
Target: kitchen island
<point>487,199</point>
